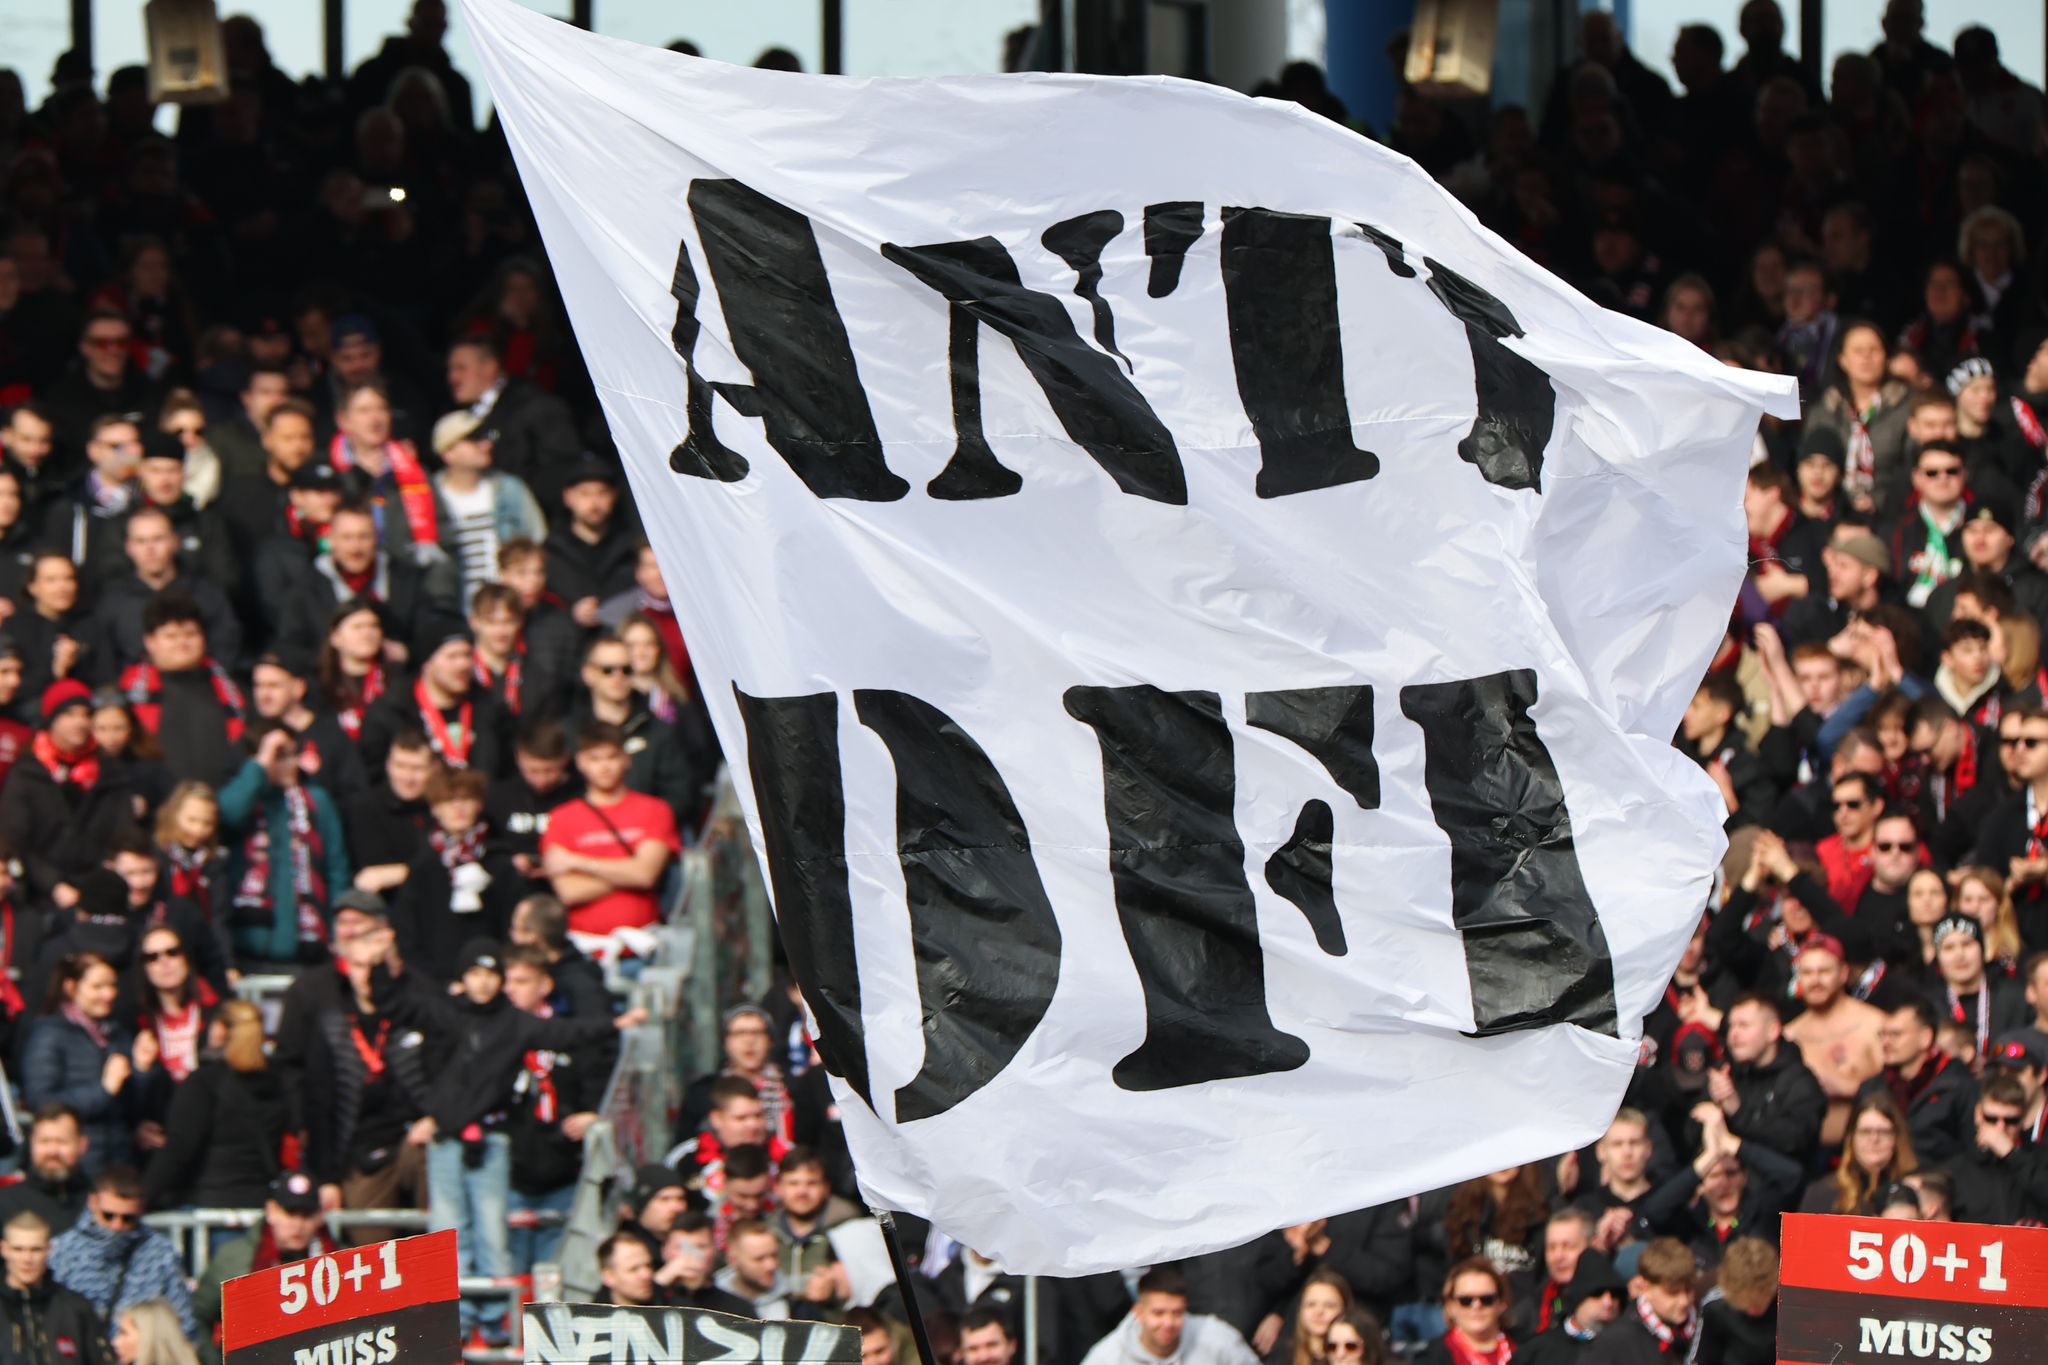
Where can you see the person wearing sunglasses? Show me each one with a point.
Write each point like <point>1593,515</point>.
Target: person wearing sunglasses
<point>1354,1338</point>
<point>660,765</point>
<point>1592,1299</point>
<point>116,1262</point>
<point>1475,1303</point>
<point>1994,1177</point>
<point>1927,544</point>
<point>104,379</point>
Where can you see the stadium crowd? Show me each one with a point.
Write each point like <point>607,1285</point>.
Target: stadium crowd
<point>329,647</point>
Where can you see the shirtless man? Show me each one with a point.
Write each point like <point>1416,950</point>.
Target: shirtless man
<point>1837,1036</point>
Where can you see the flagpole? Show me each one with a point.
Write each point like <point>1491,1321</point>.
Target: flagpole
<point>902,1269</point>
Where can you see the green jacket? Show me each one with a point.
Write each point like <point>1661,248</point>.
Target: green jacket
<point>249,797</point>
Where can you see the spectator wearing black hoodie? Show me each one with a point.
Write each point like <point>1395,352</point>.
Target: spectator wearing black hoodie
<point>589,557</point>
<point>1591,1301</point>
<point>63,802</point>
<point>455,890</point>
<point>478,1041</point>
<point>121,606</point>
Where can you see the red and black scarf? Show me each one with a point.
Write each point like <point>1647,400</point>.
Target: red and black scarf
<point>81,767</point>
<point>309,883</point>
<point>367,690</point>
<point>191,871</point>
<point>438,732</point>
<point>515,672</point>
<point>1463,1352</point>
<point>144,687</point>
<point>457,849</point>
<point>1670,1340</point>
<point>540,1069</point>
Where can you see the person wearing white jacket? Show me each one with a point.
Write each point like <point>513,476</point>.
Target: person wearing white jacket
<point>1161,1331</point>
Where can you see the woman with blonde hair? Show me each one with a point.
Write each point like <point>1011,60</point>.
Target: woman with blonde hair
<point>227,1123</point>
<point>1878,1152</point>
<point>1325,1296</point>
<point>1981,894</point>
<point>148,1333</point>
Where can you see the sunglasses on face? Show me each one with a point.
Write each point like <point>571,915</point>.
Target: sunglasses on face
<point>107,343</point>
<point>1946,471</point>
<point>164,955</point>
<point>1475,1300</point>
<point>2004,1120</point>
<point>1345,1348</point>
<point>611,670</point>
<point>2028,741</point>
<point>1903,846</point>
<point>1854,804</point>
<point>118,1220</point>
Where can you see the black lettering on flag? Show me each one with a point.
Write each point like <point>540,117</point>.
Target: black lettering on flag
<point>986,940</point>
<point>1303,871</point>
<point>1534,948</point>
<point>700,452</point>
<point>973,471</point>
<point>1517,406</point>
<point>1079,242</point>
<point>1390,247</point>
<point>1335,726</point>
<point>1171,230</point>
<point>1280,292</point>
<point>786,329</point>
<point>793,761</point>
<point>1169,782</point>
<point>1100,409</point>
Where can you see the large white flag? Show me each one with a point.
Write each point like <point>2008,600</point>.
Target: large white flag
<point>1197,620</point>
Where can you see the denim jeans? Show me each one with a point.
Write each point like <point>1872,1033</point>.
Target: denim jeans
<point>472,1201</point>
<point>539,1244</point>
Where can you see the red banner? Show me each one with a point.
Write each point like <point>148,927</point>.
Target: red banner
<point>401,1296</point>
<point>1855,1291</point>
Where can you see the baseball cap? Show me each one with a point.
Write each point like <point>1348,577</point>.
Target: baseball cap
<point>295,1192</point>
<point>481,952</point>
<point>352,327</point>
<point>453,428</point>
<point>320,477</point>
<point>362,902</point>
<point>2020,1048</point>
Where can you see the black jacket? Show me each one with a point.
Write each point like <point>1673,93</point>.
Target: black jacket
<point>1554,1346</point>
<point>430,931</point>
<point>354,1120</point>
<point>1782,1104</point>
<point>578,569</point>
<point>543,1159</point>
<point>1938,1106</point>
<point>518,815</point>
<point>50,1325</point>
<point>223,1139</point>
<point>117,623</point>
<point>57,1202</point>
<point>487,1044</point>
<point>1995,1189</point>
<point>658,765</point>
<point>1625,1341</point>
<point>533,436</point>
<point>252,509</point>
<point>383,829</point>
<point>490,750</point>
<point>300,608</point>
<point>57,831</point>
